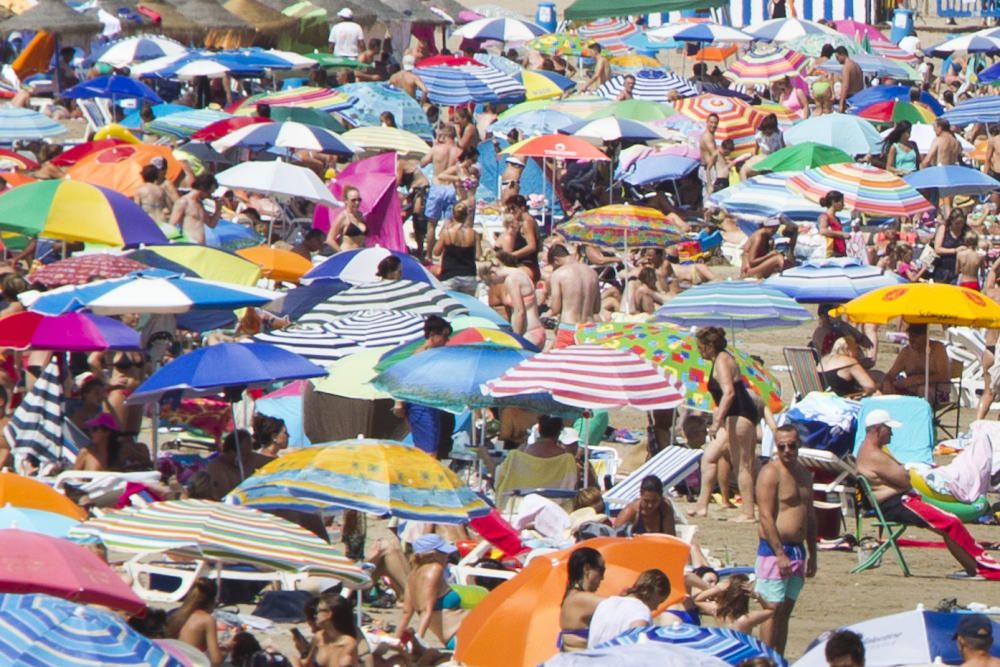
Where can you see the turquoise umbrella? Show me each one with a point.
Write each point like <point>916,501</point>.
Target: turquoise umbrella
<point>374,97</point>
<point>36,521</point>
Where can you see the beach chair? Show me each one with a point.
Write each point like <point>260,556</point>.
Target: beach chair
<point>888,531</point>
<point>802,367</point>
<point>100,489</point>
<point>841,473</point>
<point>671,464</point>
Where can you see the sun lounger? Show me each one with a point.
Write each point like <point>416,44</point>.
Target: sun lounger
<point>671,465</point>
<point>841,472</point>
<point>101,489</point>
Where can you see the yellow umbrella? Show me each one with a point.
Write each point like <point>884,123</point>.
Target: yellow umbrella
<point>379,139</point>
<point>635,61</point>
<point>209,263</point>
<point>281,265</point>
<point>350,376</point>
<point>539,87</point>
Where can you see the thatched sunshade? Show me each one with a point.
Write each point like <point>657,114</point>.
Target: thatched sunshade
<point>365,13</point>
<point>263,18</point>
<point>55,17</point>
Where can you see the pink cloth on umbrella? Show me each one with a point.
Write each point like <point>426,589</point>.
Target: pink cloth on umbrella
<point>375,178</point>
<point>498,532</point>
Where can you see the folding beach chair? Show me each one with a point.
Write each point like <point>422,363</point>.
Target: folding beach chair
<point>802,367</point>
<point>671,464</point>
<point>888,531</point>
<point>840,473</point>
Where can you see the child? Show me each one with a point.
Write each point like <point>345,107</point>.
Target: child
<point>969,262</point>
<point>905,266</point>
<point>731,598</point>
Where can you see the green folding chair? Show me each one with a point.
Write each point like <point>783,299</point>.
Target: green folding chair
<point>888,531</point>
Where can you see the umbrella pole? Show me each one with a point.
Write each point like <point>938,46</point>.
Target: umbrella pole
<point>626,297</point>
<point>586,448</point>
<point>927,369</point>
<point>236,437</point>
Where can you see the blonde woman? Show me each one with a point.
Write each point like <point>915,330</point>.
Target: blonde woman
<point>349,230</point>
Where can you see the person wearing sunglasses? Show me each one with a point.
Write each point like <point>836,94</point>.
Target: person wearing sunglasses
<point>786,554</point>
<point>349,230</point>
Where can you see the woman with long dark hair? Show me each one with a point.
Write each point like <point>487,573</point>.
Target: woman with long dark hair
<point>830,226</point>
<point>900,153</point>
<point>193,622</point>
<point>585,570</point>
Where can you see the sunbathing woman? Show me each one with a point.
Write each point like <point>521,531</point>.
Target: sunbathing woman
<point>586,571</point>
<point>335,642</point>
<point>428,593</point>
<point>193,623</point>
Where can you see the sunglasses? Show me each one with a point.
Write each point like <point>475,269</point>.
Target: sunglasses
<point>354,199</point>
<point>782,448</point>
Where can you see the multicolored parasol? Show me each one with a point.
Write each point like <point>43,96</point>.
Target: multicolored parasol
<point>893,111</point>
<point>866,189</point>
<point>766,66</point>
<point>309,97</point>
<point>621,226</point>
<point>557,146</point>
<point>737,119</point>
<point>562,44</point>
<point>71,332</point>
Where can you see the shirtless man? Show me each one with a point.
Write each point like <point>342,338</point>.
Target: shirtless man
<point>602,68</point>
<point>890,483</point>
<point>852,79</point>
<point>151,196</point>
<point>190,215</point>
<point>574,294</point>
<point>991,165</point>
<point>945,149</point>
<point>760,259</point>
<point>786,554</point>
<point>409,82</point>
<point>441,196</point>
<point>710,155</point>
<point>311,243</point>
<point>968,261</point>
<point>974,634</point>
<point>906,376</point>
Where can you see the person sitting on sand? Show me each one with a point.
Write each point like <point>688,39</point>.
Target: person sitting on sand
<point>586,571</point>
<point>729,602</point>
<point>633,609</point>
<point>760,259</point>
<point>193,622</point>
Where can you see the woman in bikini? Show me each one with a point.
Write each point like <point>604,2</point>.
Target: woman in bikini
<point>843,373</point>
<point>349,230</point>
<point>586,571</point>
<point>518,296</point>
<point>127,372</point>
<point>193,622</point>
<point>335,643</point>
<point>429,594</point>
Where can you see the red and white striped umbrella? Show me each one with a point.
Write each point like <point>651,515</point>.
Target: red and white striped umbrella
<point>590,377</point>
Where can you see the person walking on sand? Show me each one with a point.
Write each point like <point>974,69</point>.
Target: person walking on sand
<point>786,554</point>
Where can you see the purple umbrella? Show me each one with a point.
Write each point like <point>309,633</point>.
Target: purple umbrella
<point>72,332</point>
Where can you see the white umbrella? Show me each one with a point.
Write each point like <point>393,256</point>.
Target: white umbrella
<point>786,30</point>
<point>277,178</point>
<point>698,32</point>
<point>202,67</point>
<point>923,134</point>
<point>127,51</point>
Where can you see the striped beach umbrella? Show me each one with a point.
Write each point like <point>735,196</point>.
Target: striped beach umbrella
<point>590,377</point>
<point>892,52</point>
<point>733,304</point>
<point>451,86</point>
<point>976,42</point>
<point>765,196</point>
<point>219,532</point>
<point>737,119</point>
<point>893,111</point>
<point>380,477</point>
<point>43,630</point>
<point>698,32</point>
<point>288,135</point>
<point>607,30</point>
<point>185,123</point>
<point>402,295</point>
<point>325,342</point>
<point>501,29</point>
<point>985,109</point>
<point>650,84</point>
<point>380,139</point>
<point>358,267</point>
<point>621,226</point>
<point>831,280</point>
<point>787,30</point>
<point>27,125</point>
<point>124,52</point>
<point>731,646</point>
<point>310,97</point>
<point>611,128</point>
<point>765,66</point>
<point>866,189</point>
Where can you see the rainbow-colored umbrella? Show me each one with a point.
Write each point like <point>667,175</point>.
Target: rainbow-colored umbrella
<point>737,119</point>
<point>75,211</point>
<point>562,44</point>
<point>765,66</point>
<point>893,111</point>
<point>621,226</point>
<point>676,352</point>
<point>866,189</point>
<point>310,97</point>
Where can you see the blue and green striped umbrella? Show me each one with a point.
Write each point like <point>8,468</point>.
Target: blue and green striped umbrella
<point>733,304</point>
<point>185,123</point>
<point>731,646</point>
<point>28,125</point>
<point>43,630</point>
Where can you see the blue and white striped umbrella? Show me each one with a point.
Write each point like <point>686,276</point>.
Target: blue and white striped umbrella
<point>500,29</point>
<point>786,30</point>
<point>505,65</point>
<point>185,123</point>
<point>650,84</point>
<point>765,196</point>
<point>288,135</point>
<point>972,43</point>
<point>358,267</point>
<point>452,86</point>
<point>373,97</point>
<point>831,280</point>
<point>732,304</point>
<point>698,32</point>
<point>403,295</point>
<point>534,123</point>
<point>124,52</point>
<point>39,425</point>
<point>27,124</point>
<point>43,630</point>
<point>611,128</point>
<point>984,109</point>
<point>731,646</point>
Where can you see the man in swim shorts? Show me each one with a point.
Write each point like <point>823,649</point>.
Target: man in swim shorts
<point>574,294</point>
<point>786,554</point>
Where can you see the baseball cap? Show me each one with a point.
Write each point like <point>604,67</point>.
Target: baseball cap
<point>409,61</point>
<point>876,417</point>
<point>103,420</point>
<point>346,13</point>
<point>974,625</point>
<point>433,542</point>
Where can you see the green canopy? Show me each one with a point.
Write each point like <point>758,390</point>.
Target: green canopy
<point>586,10</point>
<point>642,111</point>
<point>802,156</point>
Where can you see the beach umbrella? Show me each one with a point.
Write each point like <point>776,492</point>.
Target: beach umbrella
<point>373,97</point>
<point>302,299</point>
<point>309,97</point>
<point>198,261</point>
<point>874,94</point>
<point>893,52</point>
<point>134,121</point>
<point>80,269</point>
<point>382,139</point>
<point>866,189</point>
<point>200,68</point>
<point>907,638</point>
<point>639,110</point>
<point>676,351</point>
<point>71,156</point>
<point>37,563</point>
<point>613,129</point>
<point>351,376</point>
<point>730,304</point>
<point>975,42</point>
<point>533,123</point>
<point>75,211</point>
<point>650,84</point>
<point>286,404</point>
<point>893,111</point>
<point>326,342</point>
<point>633,62</point>
<point>924,303</point>
<point>853,135</point>
<point>307,116</point>
<point>71,332</point>
<point>656,169</point>
<point>36,521</point>
<point>44,630</point>
<point>500,29</point>
<point>276,178</point>
<point>737,119</point>
<point>119,168</point>
<point>984,109</point>
<point>636,655</point>
<point>27,125</point>
<point>358,267</point>
<point>27,493</point>
<point>611,29</point>
<point>556,146</point>
<point>542,84</point>
<point>381,477</point>
<point>451,86</point>
<point>114,88</point>
<point>621,226</point>
<point>537,592</point>
<point>12,160</point>
<point>698,32</point>
<point>730,646</point>
<point>765,66</point>
<point>276,264</point>
<point>952,180</point>
<point>831,280</point>
<point>765,196</point>
<point>786,30</point>
<point>151,291</point>
<point>857,30</point>
<point>581,105</point>
<point>287,135</point>
<point>812,44</point>
<point>404,295</point>
<point>222,533</point>
<point>124,52</point>
<point>875,65</point>
<point>562,44</point>
<point>802,156</point>
<point>223,126</point>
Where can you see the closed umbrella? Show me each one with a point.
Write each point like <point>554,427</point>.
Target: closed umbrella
<point>866,189</point>
<point>832,280</point>
<point>853,135</point>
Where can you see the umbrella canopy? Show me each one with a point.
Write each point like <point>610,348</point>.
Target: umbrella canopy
<point>404,295</point>
<point>124,52</point>
<point>372,98</point>
<point>119,168</point>
<point>115,88</point>
<point>893,111</point>
<point>534,122</point>
<point>37,563</point>
<point>621,226</point>
<point>11,160</point>
<point>542,84</point>
<point>787,30</point>
<point>613,29</point>
<point>639,110</point>
<point>309,97</point>
<point>613,129</point>
<point>952,180</point>
<point>72,332</point>
<point>381,139</point>
<point>556,146</point>
<point>590,377</point>
<point>736,118</point>
<point>883,93</point>
<point>636,655</point>
<point>276,178</point>
<point>975,42</point>
<point>209,370</point>
<point>315,117</point>
<point>223,126</point>
<point>698,32</point>
<point>853,135</point>
<point>500,29</point>
<point>220,532</point>
<point>832,280</point>
<point>657,169</point>
<point>732,304</point>
<point>151,291</point>
<point>537,592</point>
<point>276,264</point>
<point>924,303</point>
<point>43,630</point>
<point>372,476</point>
<point>857,30</point>
<point>26,493</point>
<point>866,189</point>
<point>358,267</point>
<point>985,109</point>
<point>74,211</point>
<point>451,86</point>
<point>802,156</point>
<point>288,135</point>
<point>27,125</point>
<point>875,65</point>
<point>766,196</point>
<point>766,66</point>
<point>650,84</point>
<point>36,521</point>
<point>731,646</point>
<point>812,45</point>
<point>55,17</point>
<point>562,44</point>
<point>80,269</point>
<point>134,121</point>
<point>198,261</point>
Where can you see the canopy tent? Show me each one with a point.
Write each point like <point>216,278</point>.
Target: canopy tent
<point>585,10</point>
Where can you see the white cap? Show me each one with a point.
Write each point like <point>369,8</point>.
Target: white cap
<point>876,417</point>
<point>568,436</point>
<point>346,13</point>
<point>409,61</point>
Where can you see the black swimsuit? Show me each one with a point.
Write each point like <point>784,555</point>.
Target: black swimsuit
<point>742,405</point>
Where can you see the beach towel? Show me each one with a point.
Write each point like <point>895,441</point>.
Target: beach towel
<point>976,469</point>
<point>37,424</point>
<point>526,471</point>
<point>914,442</point>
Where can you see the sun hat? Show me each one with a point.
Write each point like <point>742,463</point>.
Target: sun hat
<point>103,420</point>
<point>433,542</point>
<point>346,13</point>
<point>876,417</point>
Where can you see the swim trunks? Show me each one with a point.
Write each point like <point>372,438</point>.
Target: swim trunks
<point>770,585</point>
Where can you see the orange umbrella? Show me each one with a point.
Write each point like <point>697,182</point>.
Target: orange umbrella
<point>559,146</point>
<point>16,178</point>
<point>277,264</point>
<point>714,54</point>
<point>518,622</point>
<point>27,493</point>
<point>120,167</point>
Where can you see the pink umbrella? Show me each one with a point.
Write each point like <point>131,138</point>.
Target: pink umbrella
<point>857,30</point>
<point>36,563</point>
<point>81,269</point>
<point>71,332</point>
